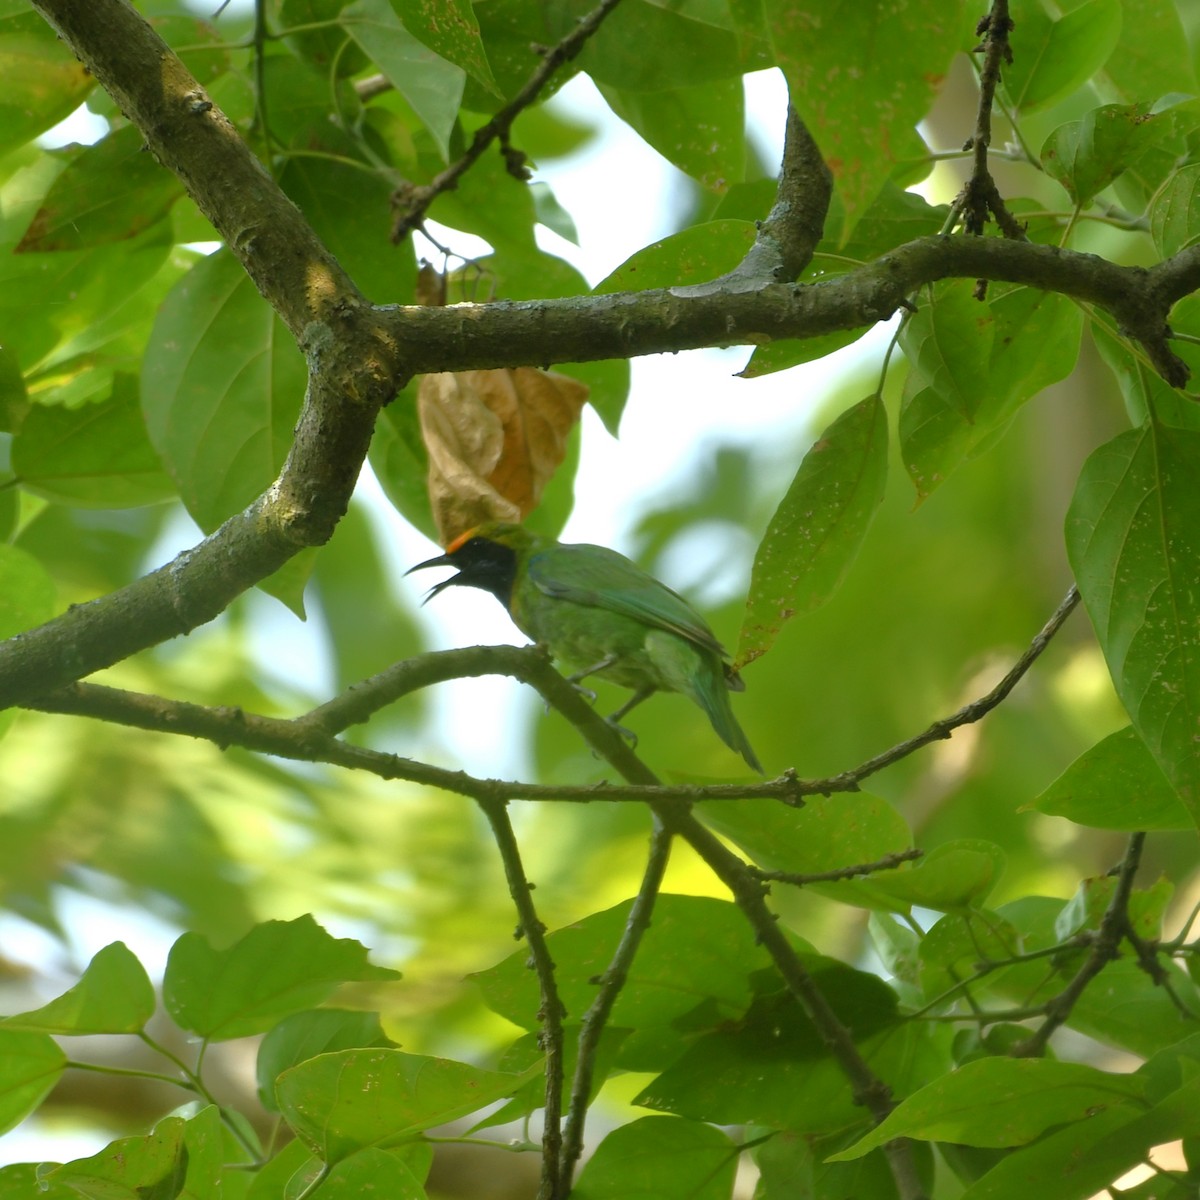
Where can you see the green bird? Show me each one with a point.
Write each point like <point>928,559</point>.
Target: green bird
<point>600,614</point>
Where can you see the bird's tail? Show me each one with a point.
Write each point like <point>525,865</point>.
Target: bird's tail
<point>711,692</point>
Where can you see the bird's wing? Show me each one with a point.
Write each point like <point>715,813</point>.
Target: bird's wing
<point>602,578</point>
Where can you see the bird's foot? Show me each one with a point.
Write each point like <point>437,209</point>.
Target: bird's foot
<point>627,734</point>
<point>586,693</point>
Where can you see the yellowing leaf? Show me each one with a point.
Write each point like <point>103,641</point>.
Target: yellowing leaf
<point>494,440</point>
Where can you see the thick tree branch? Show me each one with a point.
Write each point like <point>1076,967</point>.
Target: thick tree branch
<point>623,325</point>
<point>795,225</point>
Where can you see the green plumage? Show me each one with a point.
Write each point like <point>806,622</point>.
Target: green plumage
<point>600,614</point>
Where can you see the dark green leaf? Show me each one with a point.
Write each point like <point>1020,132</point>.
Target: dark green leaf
<point>350,1100</point>
<point>1085,156</point>
<point>1175,214</point>
<point>696,255</point>
<point>819,526</point>
<point>858,114</point>
<point>358,233</point>
<point>1052,57</point>
<point>401,464</point>
<point>112,191</point>
<point>317,39</point>
<point>660,1158</point>
<point>973,367</point>
<point>30,1065</point>
<point>697,951</point>
<point>153,1167</point>
<point>957,874</point>
<point>1116,785</point>
<point>700,130</point>
<point>114,995</point>
<point>96,456</point>
<point>1085,910</point>
<point>1133,537</point>
<point>304,1035</point>
<point>371,1172</point>
<point>1001,1102</point>
<point>222,383</point>
<point>279,967</point>
<point>451,29</point>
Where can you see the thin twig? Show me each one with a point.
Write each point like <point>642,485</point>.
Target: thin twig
<point>612,981</point>
<point>1105,947</point>
<point>969,713</point>
<point>889,862</point>
<point>551,1010</point>
<point>981,196</point>
<point>412,201</point>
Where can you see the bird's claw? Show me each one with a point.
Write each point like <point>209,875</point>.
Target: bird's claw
<point>627,734</point>
<point>586,693</point>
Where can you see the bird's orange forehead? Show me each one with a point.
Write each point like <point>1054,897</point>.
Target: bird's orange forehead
<point>462,539</point>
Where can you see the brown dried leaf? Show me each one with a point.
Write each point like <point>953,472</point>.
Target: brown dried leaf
<point>494,440</point>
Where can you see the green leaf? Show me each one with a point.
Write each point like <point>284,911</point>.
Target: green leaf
<point>818,528</point>
<point>114,995</point>
<point>1133,538</point>
<point>1152,57</point>
<point>27,593</point>
<point>552,214</point>
<point>1093,897</point>
<point>955,875</point>
<point>1080,1161</point>
<point>357,234</point>
<point>825,834</point>
<point>1052,57</point>
<point>43,81</point>
<point>451,29</point>
<point>96,456</point>
<point>1175,213</point>
<point>153,1167</point>
<point>30,1065</point>
<point>695,255</point>
<point>957,943</point>
<point>112,191</point>
<point>222,383</point>
<point>973,367</point>
<point>1085,156</point>
<point>698,951</point>
<point>701,51</point>
<point>304,1035</point>
<point>371,1172</point>
<point>773,1067</point>
<point>857,113</point>
<point>660,1158</point>
<point>1116,785</point>
<point>1001,1102</point>
<point>279,967</point>
<point>317,40</point>
<point>350,1100</point>
<point>401,463</point>
<point>433,86</point>
<point>700,130</point>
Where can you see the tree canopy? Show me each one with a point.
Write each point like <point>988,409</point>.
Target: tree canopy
<point>944,948</point>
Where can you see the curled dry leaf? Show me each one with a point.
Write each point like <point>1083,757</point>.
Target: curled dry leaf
<point>494,439</point>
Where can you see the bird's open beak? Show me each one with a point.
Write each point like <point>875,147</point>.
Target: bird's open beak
<point>442,560</point>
